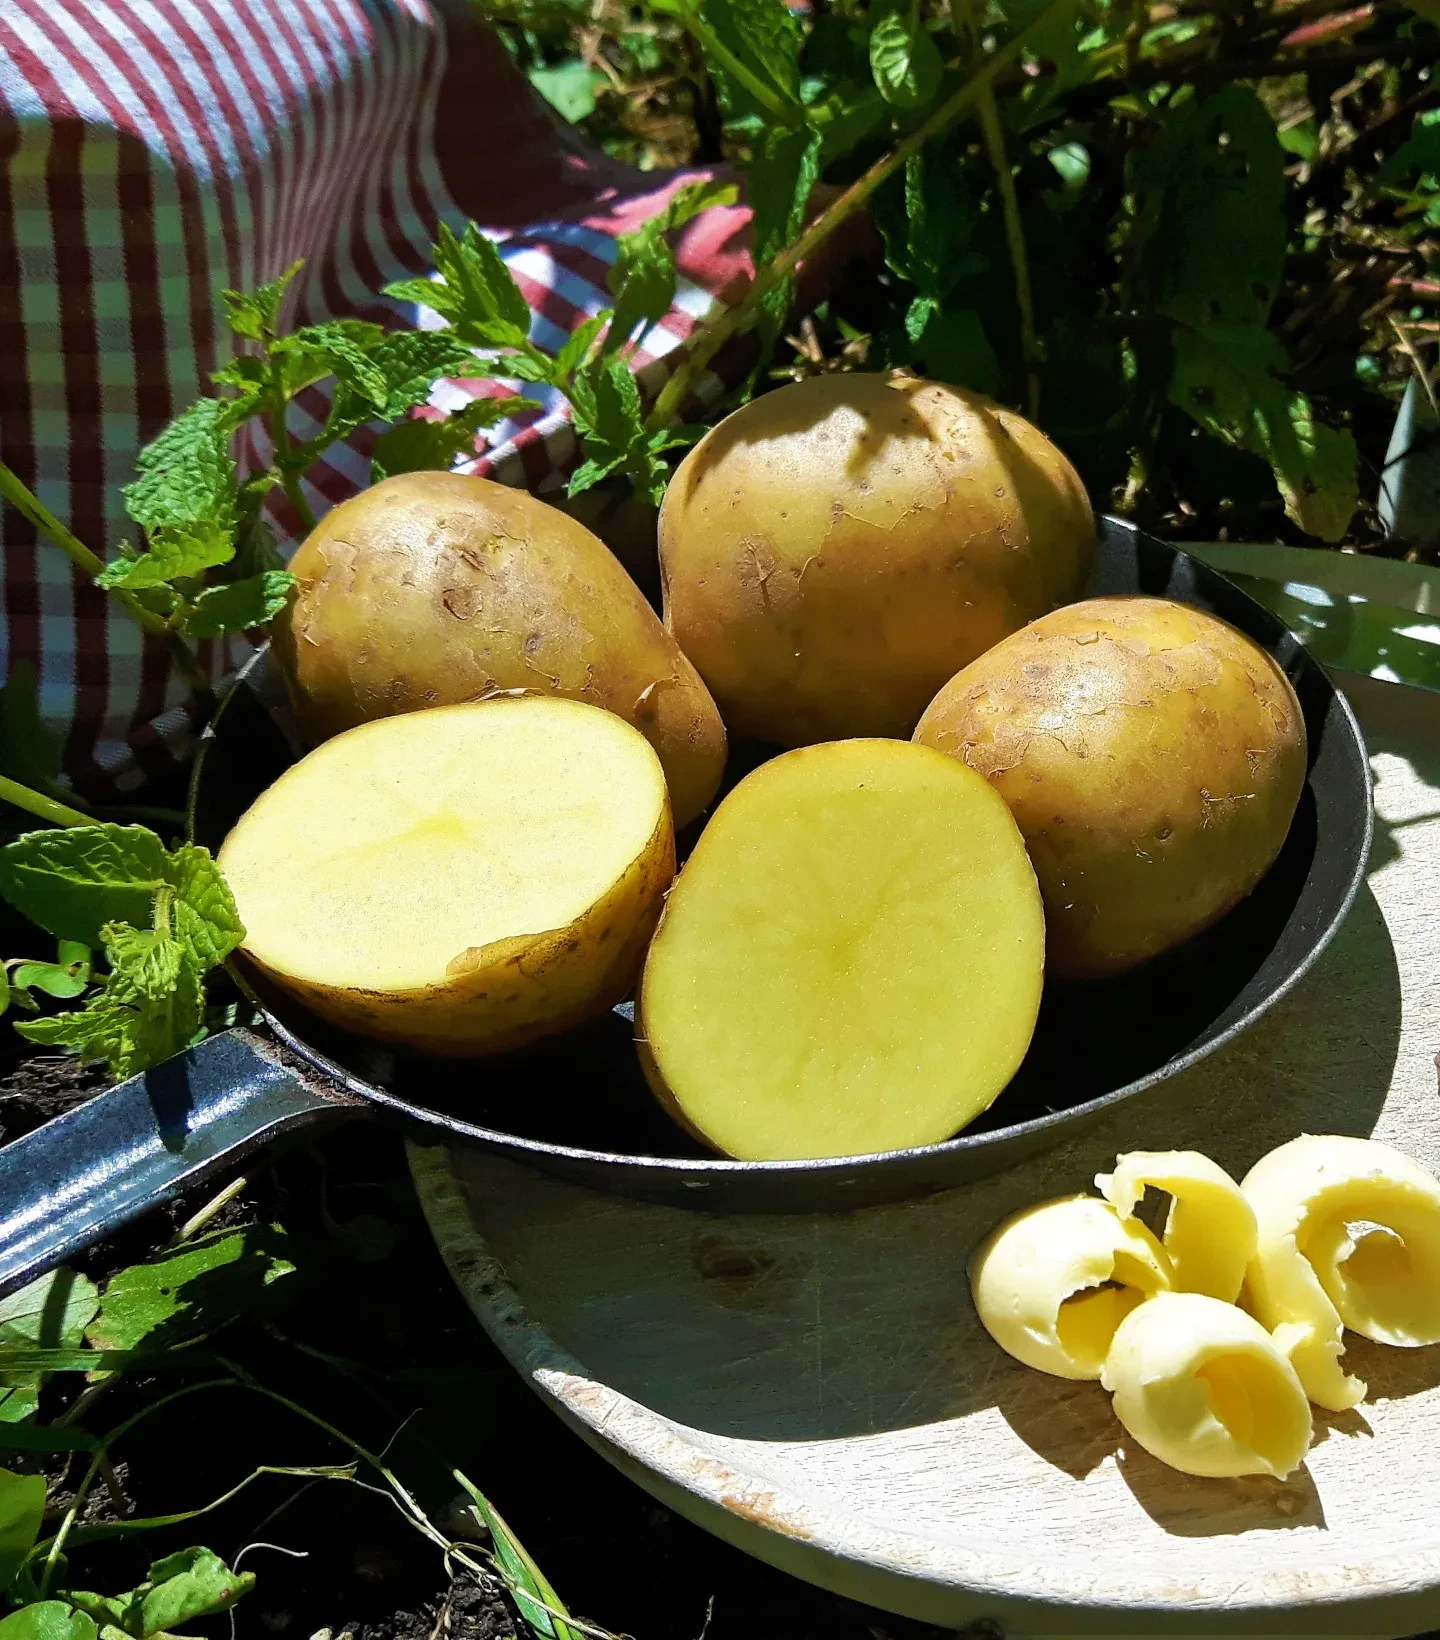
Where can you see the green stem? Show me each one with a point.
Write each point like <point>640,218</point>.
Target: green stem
<point>42,807</point>
<point>717,51</point>
<point>743,314</point>
<point>286,465</point>
<point>30,506</point>
<point>988,114</point>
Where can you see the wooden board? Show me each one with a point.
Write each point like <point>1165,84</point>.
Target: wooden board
<point>819,1391</point>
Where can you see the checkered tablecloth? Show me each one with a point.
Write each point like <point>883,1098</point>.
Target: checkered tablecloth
<point>154,153</point>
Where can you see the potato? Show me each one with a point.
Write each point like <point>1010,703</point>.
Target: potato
<point>850,960</point>
<point>463,880</point>
<point>835,550</point>
<point>436,588</point>
<point>1153,757</point>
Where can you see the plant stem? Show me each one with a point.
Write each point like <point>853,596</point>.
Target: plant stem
<point>743,314</point>
<point>30,506</point>
<point>197,1221</point>
<point>988,114</point>
<point>285,465</point>
<point>42,807</point>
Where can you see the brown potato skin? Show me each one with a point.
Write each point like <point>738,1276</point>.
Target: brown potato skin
<point>1153,758</point>
<point>832,552</point>
<point>434,588</point>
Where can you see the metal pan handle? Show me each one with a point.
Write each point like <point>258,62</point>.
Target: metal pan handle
<point>84,1174</point>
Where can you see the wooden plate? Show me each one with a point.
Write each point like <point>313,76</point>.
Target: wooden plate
<point>819,1391</point>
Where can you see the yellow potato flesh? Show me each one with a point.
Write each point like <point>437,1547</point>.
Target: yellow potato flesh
<point>1153,757</point>
<point>461,880</point>
<point>850,961</point>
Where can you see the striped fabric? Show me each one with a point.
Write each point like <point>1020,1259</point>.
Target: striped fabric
<point>154,153</point>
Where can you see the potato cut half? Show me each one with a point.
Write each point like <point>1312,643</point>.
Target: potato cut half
<point>462,880</point>
<point>850,961</point>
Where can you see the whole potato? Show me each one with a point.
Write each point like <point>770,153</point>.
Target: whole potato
<point>1153,757</point>
<point>435,588</point>
<point>835,550</point>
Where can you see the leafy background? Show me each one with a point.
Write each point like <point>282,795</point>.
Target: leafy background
<point>1198,242</point>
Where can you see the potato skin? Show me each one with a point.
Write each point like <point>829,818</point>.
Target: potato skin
<point>833,551</point>
<point>515,991</point>
<point>434,588</point>
<point>1153,757</point>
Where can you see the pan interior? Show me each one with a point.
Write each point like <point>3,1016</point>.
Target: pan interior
<point>585,1090</point>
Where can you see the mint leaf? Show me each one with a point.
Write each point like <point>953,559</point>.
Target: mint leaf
<point>642,280</point>
<point>904,60</point>
<point>239,606</point>
<point>206,920</point>
<point>412,361</point>
<point>255,316</point>
<point>1230,379</point>
<point>73,882</point>
<point>194,1583</point>
<point>568,87</point>
<point>474,291</point>
<point>423,445</point>
<point>29,753</point>
<point>116,1612</point>
<point>579,342</point>
<point>127,1024</point>
<point>174,1299</point>
<point>186,474</point>
<point>763,39</point>
<point>176,552</point>
<point>148,961</point>
<point>782,173</point>
<point>1210,221</point>
<point>341,348</point>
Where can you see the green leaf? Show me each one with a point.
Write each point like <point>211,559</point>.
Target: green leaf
<point>782,172</point>
<point>568,87</point>
<point>950,345</point>
<point>572,355</point>
<point>341,348</point>
<point>475,290</point>
<point>423,445</point>
<point>642,280</point>
<point>118,1611</point>
<point>182,1295</point>
<point>72,882</point>
<point>534,1596</point>
<point>1210,223</point>
<point>1419,152</point>
<point>412,361</point>
<point>239,606</point>
<point>928,221</point>
<point>22,1509</point>
<point>186,474</point>
<point>758,64</point>
<point>610,419</point>
<point>206,920</point>
<point>1230,379</point>
<point>52,1310</point>
<point>176,552</point>
<point>256,316</point>
<point>904,60</point>
<point>146,960</point>
<point>47,1620</point>
<point>29,753</point>
<point>194,1583</point>
<point>124,1025</point>
<point>62,981</point>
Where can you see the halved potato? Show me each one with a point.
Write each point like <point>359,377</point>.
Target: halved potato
<point>850,960</point>
<point>462,880</point>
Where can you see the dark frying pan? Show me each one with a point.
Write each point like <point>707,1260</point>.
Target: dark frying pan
<point>577,1107</point>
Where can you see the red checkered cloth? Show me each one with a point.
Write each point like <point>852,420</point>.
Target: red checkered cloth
<point>154,153</point>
